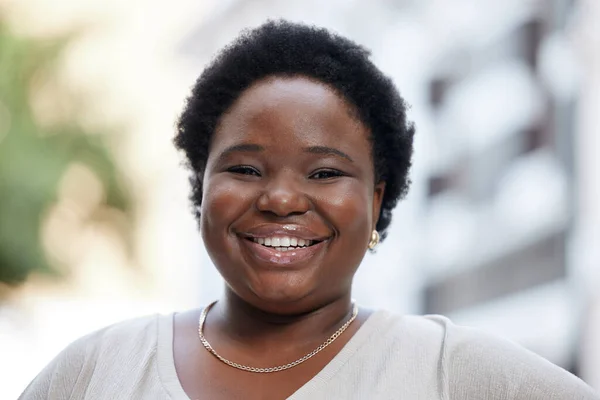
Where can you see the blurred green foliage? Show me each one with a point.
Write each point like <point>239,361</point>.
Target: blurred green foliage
<point>34,157</point>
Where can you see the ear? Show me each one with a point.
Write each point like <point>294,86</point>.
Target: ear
<point>377,200</point>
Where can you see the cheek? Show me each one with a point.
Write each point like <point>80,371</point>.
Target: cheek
<point>348,207</point>
<point>223,201</point>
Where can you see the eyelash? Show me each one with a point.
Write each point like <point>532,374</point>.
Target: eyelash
<point>244,170</point>
<point>333,173</point>
<point>251,171</point>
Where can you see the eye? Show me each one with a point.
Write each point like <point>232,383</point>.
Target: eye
<point>326,174</point>
<point>244,170</point>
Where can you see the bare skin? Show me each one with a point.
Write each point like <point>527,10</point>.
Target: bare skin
<point>288,159</point>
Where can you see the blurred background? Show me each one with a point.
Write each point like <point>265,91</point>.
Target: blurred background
<point>501,229</point>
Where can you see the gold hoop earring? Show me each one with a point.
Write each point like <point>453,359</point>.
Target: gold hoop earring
<point>374,240</point>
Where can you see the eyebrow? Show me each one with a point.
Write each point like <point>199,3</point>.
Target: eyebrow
<point>328,151</point>
<point>254,148</point>
<point>243,147</point>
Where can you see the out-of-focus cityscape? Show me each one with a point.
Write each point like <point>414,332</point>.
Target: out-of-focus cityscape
<point>501,229</point>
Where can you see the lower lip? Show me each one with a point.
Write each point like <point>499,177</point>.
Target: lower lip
<point>282,258</point>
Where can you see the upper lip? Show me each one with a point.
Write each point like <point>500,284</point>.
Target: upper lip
<point>289,230</point>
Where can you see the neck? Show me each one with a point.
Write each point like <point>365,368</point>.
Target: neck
<point>251,326</point>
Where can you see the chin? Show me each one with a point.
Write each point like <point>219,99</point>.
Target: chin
<point>279,298</point>
<point>281,295</point>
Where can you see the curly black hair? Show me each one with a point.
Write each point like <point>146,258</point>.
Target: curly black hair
<point>282,48</point>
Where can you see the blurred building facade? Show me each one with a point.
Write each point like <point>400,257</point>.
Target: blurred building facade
<point>501,193</point>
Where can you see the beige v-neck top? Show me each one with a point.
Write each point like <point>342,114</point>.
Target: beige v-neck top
<point>389,357</point>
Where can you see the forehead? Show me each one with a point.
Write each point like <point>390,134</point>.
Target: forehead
<point>292,109</point>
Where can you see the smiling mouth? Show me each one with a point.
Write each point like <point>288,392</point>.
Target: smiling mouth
<point>284,244</point>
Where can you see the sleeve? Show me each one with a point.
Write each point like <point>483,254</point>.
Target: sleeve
<point>59,378</point>
<point>481,366</point>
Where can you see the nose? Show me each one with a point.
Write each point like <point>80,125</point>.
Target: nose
<point>283,196</point>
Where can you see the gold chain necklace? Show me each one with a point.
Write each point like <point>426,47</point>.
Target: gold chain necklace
<point>270,369</point>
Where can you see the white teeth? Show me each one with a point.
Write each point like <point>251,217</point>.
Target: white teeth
<point>283,243</point>
<point>285,248</point>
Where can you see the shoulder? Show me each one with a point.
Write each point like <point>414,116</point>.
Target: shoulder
<point>479,364</point>
<point>420,330</point>
<point>142,330</point>
<point>407,341</point>
<point>126,336</point>
<point>74,366</point>
<point>474,364</point>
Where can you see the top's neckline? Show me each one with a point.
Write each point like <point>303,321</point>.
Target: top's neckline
<point>170,381</point>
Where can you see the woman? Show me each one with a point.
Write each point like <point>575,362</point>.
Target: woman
<point>299,150</point>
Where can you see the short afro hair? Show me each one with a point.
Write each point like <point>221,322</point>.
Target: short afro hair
<point>286,49</point>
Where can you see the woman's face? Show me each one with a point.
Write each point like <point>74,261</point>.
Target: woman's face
<point>289,198</point>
